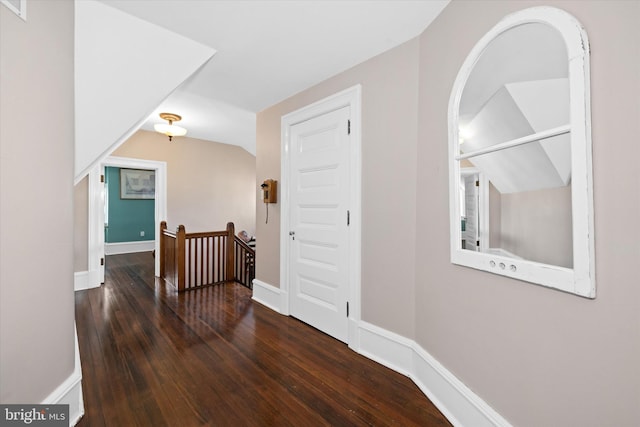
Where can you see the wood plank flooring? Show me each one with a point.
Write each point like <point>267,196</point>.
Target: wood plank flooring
<point>213,357</point>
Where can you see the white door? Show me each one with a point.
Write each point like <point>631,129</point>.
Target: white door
<point>319,215</point>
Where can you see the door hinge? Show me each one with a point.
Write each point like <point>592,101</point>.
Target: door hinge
<point>348,127</point>
<point>348,218</point>
<point>477,183</point>
<point>477,242</point>
<point>101,261</point>
<point>101,178</point>
<point>347,308</point>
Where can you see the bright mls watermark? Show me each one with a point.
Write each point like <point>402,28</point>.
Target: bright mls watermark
<point>34,415</point>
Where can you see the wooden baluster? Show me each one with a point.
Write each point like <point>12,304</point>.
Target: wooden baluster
<point>203,280</point>
<point>187,263</point>
<point>230,277</point>
<point>242,264</point>
<point>180,254</point>
<point>206,259</point>
<point>194,264</point>
<point>211,260</point>
<point>191,262</point>
<point>163,226</point>
<point>239,263</point>
<point>220,266</point>
<point>238,255</point>
<point>194,255</point>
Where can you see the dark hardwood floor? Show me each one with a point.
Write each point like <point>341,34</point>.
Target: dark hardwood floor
<point>213,357</point>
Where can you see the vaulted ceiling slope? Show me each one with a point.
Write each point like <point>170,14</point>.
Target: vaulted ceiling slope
<point>270,50</point>
<point>121,75</point>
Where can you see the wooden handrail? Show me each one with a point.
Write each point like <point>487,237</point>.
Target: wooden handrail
<point>193,260</point>
<point>242,243</point>
<point>206,234</point>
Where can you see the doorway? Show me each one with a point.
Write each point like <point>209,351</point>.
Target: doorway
<point>320,223</point>
<point>97,209</point>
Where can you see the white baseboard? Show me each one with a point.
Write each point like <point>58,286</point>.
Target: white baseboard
<point>388,349</point>
<point>129,247</point>
<point>461,406</point>
<point>85,280</point>
<point>267,295</point>
<point>456,401</point>
<point>81,280</point>
<point>70,391</point>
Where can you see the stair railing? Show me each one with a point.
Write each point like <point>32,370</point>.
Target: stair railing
<point>193,260</point>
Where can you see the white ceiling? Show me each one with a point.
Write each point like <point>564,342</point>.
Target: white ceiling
<point>269,50</point>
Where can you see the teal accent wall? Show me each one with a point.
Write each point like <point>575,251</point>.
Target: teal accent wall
<point>126,217</point>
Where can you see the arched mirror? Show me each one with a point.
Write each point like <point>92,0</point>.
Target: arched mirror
<point>520,153</point>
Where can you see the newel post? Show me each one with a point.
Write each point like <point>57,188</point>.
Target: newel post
<point>163,226</point>
<point>230,268</point>
<point>181,254</point>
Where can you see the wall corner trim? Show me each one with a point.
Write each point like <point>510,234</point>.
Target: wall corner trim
<point>69,392</point>
<point>267,295</point>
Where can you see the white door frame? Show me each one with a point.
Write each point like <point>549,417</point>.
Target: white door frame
<point>483,206</point>
<point>96,206</point>
<point>352,98</point>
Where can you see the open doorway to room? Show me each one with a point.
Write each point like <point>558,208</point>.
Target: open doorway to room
<point>129,224</point>
<point>99,176</point>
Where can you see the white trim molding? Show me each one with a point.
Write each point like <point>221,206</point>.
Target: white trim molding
<point>96,204</point>
<point>129,247</point>
<point>81,280</point>
<point>580,279</point>
<point>459,404</point>
<point>95,232</point>
<point>19,7</point>
<point>267,295</point>
<point>70,391</point>
<point>85,280</point>
<point>452,397</point>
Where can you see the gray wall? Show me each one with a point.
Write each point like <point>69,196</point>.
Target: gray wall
<point>536,225</point>
<point>389,128</point>
<point>538,356</point>
<point>81,225</point>
<point>36,201</point>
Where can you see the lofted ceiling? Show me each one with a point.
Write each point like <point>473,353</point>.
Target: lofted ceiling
<point>270,50</point>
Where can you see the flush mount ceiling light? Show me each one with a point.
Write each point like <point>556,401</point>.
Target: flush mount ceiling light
<point>170,129</point>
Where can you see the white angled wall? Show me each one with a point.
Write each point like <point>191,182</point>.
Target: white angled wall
<point>122,73</point>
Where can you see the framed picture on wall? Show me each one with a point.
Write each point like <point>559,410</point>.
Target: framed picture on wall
<point>137,184</point>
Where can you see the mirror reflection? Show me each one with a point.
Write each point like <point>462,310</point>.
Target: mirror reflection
<point>515,149</point>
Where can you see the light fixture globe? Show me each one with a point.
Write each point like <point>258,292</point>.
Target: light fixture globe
<point>170,129</point>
